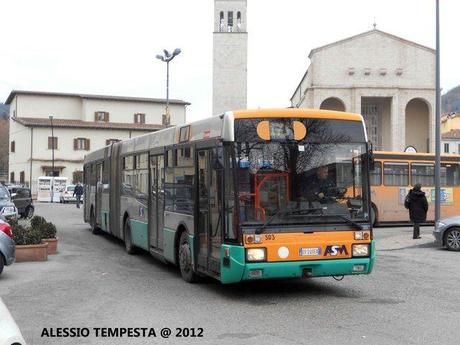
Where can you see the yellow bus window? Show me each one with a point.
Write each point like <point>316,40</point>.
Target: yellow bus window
<point>395,174</point>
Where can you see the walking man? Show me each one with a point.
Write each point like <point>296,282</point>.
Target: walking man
<point>417,205</point>
<point>78,192</point>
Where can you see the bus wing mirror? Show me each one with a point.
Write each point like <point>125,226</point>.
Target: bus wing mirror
<point>371,155</point>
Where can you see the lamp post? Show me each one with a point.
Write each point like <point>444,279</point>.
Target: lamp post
<point>167,57</point>
<point>52,157</point>
<point>437,168</point>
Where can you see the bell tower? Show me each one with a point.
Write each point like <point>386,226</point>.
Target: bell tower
<point>230,47</point>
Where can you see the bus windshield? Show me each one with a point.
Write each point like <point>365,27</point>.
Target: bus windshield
<point>292,183</point>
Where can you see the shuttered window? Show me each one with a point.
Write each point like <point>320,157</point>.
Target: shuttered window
<point>81,144</point>
<point>52,143</point>
<point>139,118</point>
<point>101,116</point>
<point>13,146</point>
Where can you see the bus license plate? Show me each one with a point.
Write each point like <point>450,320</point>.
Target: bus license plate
<point>310,251</point>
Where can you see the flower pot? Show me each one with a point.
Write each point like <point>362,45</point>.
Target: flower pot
<point>33,252</point>
<point>52,245</point>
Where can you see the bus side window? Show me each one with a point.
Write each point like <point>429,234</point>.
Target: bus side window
<point>450,175</point>
<point>395,174</point>
<point>376,174</point>
<point>422,173</point>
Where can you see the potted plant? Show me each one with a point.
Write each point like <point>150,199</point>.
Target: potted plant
<point>28,244</point>
<point>47,232</point>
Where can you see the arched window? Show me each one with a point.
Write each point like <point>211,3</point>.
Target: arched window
<point>230,21</point>
<point>221,21</point>
<point>238,21</point>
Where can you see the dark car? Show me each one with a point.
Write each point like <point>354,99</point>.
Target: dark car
<point>22,199</point>
<point>7,208</point>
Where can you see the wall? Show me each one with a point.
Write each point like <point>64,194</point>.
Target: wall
<point>44,106</point>
<point>123,112</point>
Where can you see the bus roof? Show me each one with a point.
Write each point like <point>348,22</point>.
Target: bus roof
<point>296,112</point>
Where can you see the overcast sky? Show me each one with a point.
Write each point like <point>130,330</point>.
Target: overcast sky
<point>109,47</point>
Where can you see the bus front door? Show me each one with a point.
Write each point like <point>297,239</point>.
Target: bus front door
<point>210,212</point>
<point>156,207</point>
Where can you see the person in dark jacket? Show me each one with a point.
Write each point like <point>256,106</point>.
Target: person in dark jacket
<point>417,205</point>
<point>78,192</point>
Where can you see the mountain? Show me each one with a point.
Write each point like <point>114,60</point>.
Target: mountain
<point>450,102</point>
<point>4,110</point>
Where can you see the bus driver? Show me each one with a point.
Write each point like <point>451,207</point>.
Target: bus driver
<point>319,186</point>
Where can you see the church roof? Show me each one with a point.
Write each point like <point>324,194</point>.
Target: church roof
<point>371,32</point>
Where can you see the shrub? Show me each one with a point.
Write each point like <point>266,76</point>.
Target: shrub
<point>25,236</point>
<point>48,230</point>
<point>37,222</point>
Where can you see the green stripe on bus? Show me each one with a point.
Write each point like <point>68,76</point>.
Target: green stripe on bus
<point>239,270</point>
<point>140,234</point>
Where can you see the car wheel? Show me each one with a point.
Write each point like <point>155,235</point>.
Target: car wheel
<point>453,239</point>
<point>185,260</point>
<point>29,213</point>
<point>129,246</point>
<point>94,228</point>
<point>2,263</point>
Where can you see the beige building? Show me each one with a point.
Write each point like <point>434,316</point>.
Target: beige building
<point>81,123</point>
<point>389,80</point>
<point>449,122</point>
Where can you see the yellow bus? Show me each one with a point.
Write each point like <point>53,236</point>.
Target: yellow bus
<point>395,173</point>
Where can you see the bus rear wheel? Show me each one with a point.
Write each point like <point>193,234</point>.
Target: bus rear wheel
<point>94,228</point>
<point>129,246</point>
<point>185,259</point>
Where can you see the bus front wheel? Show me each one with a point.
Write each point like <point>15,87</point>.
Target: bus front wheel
<point>129,246</point>
<point>185,259</point>
<point>373,215</point>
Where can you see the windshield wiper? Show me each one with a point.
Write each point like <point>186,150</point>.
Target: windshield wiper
<point>283,213</point>
<point>356,225</point>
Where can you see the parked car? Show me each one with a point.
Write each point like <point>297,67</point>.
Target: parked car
<point>67,194</point>
<point>7,208</point>
<point>22,199</point>
<point>7,247</point>
<point>9,331</point>
<point>447,233</point>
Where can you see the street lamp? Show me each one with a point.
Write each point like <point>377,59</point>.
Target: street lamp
<point>52,157</point>
<point>167,57</point>
<point>437,168</point>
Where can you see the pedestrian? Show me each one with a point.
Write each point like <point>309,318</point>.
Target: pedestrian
<point>417,205</point>
<point>78,192</point>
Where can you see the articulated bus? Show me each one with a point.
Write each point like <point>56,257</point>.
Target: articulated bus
<point>394,174</point>
<point>246,195</point>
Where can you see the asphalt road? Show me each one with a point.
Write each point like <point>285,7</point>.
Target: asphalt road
<point>412,297</point>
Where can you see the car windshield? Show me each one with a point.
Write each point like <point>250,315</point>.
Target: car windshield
<point>70,188</point>
<point>4,193</point>
<point>288,183</point>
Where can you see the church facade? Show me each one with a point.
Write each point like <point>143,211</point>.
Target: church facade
<point>387,79</point>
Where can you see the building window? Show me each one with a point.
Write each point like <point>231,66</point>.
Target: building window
<point>139,118</point>
<point>446,148</point>
<point>52,143</point>
<point>109,142</point>
<point>81,144</point>
<point>22,177</point>
<point>238,21</point>
<point>221,21</point>
<point>230,21</point>
<point>101,116</point>
<point>12,177</point>
<point>13,146</point>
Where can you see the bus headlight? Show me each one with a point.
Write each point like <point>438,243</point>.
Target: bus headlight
<point>360,250</point>
<point>362,235</point>
<point>255,254</point>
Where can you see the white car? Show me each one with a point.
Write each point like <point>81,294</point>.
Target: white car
<point>67,194</point>
<point>9,331</point>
